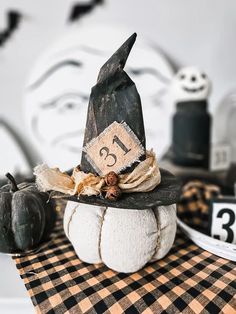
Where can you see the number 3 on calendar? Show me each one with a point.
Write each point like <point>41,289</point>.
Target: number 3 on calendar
<point>223,220</point>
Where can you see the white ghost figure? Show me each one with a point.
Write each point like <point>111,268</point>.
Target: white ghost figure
<point>58,90</point>
<point>190,83</point>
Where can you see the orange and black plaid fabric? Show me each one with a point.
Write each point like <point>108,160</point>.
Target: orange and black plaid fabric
<point>194,203</point>
<point>187,280</point>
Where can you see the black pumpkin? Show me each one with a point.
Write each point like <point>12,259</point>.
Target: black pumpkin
<point>26,216</point>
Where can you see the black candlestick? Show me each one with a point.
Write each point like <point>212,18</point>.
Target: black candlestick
<point>191,134</point>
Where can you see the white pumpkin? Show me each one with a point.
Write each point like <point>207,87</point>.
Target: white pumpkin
<point>124,240</point>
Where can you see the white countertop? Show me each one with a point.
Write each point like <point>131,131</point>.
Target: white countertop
<point>14,298</point>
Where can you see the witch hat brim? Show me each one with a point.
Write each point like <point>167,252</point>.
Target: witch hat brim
<point>115,99</point>
<point>166,193</point>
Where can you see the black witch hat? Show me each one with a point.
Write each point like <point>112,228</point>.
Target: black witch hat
<point>114,111</point>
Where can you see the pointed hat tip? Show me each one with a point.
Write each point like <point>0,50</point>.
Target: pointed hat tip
<point>134,36</point>
<point>118,59</point>
<point>130,41</point>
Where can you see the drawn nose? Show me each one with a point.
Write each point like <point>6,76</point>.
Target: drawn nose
<point>193,78</point>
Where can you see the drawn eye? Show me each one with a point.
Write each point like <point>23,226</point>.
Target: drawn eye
<point>66,102</point>
<point>182,76</point>
<point>70,105</point>
<point>135,71</point>
<point>204,76</point>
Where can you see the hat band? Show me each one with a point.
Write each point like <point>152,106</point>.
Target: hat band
<point>144,178</point>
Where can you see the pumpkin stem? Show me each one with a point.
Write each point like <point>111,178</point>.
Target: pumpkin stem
<point>12,181</point>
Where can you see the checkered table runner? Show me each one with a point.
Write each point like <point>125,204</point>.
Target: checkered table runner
<point>188,280</point>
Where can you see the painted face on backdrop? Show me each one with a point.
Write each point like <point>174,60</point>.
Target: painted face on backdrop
<point>24,32</point>
<point>190,83</point>
<point>58,90</point>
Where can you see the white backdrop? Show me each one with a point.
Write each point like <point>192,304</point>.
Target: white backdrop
<point>190,32</point>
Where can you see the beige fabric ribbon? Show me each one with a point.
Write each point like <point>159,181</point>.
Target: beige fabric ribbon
<point>144,178</point>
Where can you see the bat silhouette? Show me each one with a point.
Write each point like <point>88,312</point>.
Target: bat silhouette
<point>13,21</point>
<point>78,10</point>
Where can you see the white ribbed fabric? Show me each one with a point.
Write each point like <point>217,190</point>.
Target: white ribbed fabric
<point>124,240</point>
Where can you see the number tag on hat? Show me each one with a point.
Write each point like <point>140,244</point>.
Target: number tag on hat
<point>115,149</point>
<point>222,220</point>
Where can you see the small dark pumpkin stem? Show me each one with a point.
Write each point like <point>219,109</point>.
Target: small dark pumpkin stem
<point>12,181</point>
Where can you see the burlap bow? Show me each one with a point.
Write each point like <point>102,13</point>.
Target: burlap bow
<point>144,178</point>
